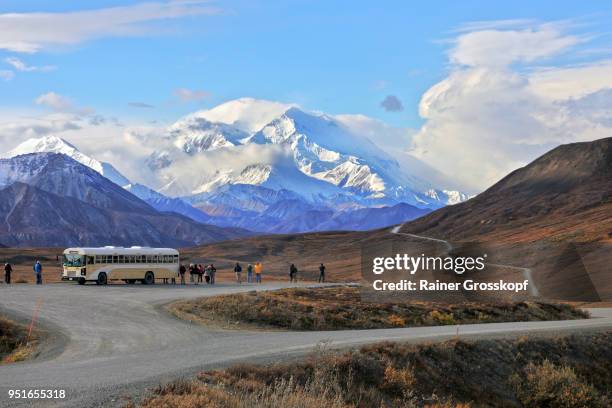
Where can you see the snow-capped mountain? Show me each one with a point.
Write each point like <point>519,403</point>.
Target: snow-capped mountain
<point>271,167</point>
<point>53,144</point>
<point>194,135</point>
<point>49,199</point>
<point>321,147</point>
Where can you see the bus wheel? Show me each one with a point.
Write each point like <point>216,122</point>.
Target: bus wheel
<point>81,281</point>
<point>149,278</point>
<point>102,279</point>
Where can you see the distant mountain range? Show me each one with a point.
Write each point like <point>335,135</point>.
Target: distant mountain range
<point>49,199</point>
<point>323,161</point>
<point>302,172</point>
<point>553,216</point>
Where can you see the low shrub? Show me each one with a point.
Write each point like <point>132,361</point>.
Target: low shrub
<point>571,371</point>
<point>343,308</point>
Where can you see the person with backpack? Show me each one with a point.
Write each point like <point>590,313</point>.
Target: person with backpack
<point>250,273</point>
<point>321,273</point>
<point>8,269</point>
<point>182,271</point>
<point>258,272</point>
<point>238,272</point>
<point>38,272</point>
<point>207,275</point>
<point>293,273</point>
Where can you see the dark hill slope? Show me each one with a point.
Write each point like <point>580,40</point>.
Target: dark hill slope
<point>565,195</point>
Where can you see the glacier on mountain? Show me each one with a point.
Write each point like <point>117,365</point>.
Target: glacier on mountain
<point>265,166</point>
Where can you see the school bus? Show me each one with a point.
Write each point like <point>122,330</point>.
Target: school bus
<point>101,265</point>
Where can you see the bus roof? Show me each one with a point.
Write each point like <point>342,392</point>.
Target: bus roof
<point>121,251</point>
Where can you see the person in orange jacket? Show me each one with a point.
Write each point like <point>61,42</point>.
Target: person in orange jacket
<point>258,271</point>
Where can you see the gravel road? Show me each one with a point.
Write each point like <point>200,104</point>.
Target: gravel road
<point>114,341</point>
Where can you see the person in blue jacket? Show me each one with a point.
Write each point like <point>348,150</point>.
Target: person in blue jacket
<point>38,271</point>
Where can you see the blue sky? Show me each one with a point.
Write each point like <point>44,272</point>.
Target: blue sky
<point>338,57</point>
<point>473,88</point>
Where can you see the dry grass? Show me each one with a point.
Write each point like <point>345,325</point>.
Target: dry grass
<point>13,342</point>
<point>549,385</point>
<point>23,259</point>
<point>571,371</point>
<point>340,308</point>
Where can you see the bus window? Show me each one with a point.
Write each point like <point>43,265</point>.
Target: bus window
<point>115,259</point>
<point>154,258</point>
<point>90,260</point>
<point>175,259</point>
<point>121,259</point>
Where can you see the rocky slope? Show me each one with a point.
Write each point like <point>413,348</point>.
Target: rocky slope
<point>49,199</point>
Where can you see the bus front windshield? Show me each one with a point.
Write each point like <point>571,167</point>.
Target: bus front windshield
<point>74,260</point>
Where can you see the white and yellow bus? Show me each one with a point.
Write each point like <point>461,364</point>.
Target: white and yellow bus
<point>102,265</point>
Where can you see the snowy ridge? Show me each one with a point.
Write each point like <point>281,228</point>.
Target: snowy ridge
<point>271,167</point>
<point>53,144</point>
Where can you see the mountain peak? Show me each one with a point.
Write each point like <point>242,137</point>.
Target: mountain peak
<point>43,144</point>
<point>247,114</point>
<point>54,144</point>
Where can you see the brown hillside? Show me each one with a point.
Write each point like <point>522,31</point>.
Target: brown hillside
<point>565,195</point>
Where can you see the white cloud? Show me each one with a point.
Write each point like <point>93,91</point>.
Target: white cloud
<point>498,108</point>
<point>54,101</point>
<point>395,141</point>
<point>19,65</point>
<point>32,32</point>
<point>190,95</point>
<point>573,81</point>
<point>495,47</point>
<point>6,74</point>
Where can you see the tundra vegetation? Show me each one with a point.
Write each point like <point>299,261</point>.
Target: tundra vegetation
<point>14,345</point>
<point>568,371</point>
<point>341,308</point>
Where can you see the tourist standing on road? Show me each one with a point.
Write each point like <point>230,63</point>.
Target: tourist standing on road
<point>7,273</point>
<point>250,273</point>
<point>182,271</point>
<point>200,273</point>
<point>321,273</point>
<point>293,273</point>
<point>258,271</point>
<point>213,274</point>
<point>207,274</point>
<point>38,272</point>
<point>238,272</point>
<point>192,273</point>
